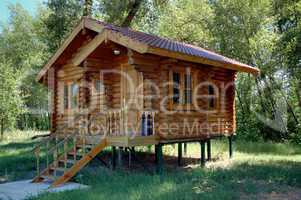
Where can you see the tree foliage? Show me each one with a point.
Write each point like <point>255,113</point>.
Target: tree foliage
<point>10,97</point>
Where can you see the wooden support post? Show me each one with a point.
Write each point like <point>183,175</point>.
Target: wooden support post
<point>37,154</point>
<point>179,154</point>
<point>209,150</point>
<point>130,157</point>
<point>156,157</point>
<point>185,148</point>
<point>74,148</point>
<point>203,160</point>
<point>113,157</point>
<point>55,157</point>
<point>47,153</point>
<point>159,159</point>
<point>120,152</point>
<point>230,138</point>
<point>65,154</point>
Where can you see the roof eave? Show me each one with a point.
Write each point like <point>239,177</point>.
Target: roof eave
<point>61,49</point>
<point>236,67</point>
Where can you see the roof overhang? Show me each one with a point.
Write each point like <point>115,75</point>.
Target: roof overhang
<point>105,34</point>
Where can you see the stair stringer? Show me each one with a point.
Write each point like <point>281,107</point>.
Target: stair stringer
<point>80,164</point>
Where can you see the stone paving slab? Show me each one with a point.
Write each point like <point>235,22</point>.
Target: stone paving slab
<point>20,190</point>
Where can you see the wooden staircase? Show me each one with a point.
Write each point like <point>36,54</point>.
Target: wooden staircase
<point>67,162</point>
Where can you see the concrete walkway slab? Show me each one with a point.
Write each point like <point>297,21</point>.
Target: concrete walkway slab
<point>21,190</point>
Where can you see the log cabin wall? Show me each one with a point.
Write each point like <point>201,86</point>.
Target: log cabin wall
<point>66,76</point>
<point>185,121</point>
<point>105,92</point>
<point>149,71</point>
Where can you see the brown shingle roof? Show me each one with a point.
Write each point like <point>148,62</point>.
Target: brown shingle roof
<point>150,44</point>
<point>171,45</point>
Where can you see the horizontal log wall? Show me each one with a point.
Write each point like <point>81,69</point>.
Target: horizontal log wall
<point>187,122</point>
<point>66,75</point>
<point>151,70</point>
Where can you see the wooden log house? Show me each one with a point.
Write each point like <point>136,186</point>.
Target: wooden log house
<point>113,86</point>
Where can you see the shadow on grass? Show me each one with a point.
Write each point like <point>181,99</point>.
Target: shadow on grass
<point>17,160</point>
<point>16,145</point>
<point>267,148</point>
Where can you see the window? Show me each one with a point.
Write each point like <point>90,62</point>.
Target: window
<point>98,86</point>
<point>176,87</point>
<point>211,93</point>
<point>188,89</point>
<point>182,87</point>
<point>66,97</point>
<point>74,96</point>
<point>147,125</point>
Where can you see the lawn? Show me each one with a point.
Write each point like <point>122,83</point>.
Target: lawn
<point>257,171</point>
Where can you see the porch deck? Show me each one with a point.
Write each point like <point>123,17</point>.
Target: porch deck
<point>124,141</point>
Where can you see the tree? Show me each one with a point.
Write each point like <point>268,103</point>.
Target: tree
<point>23,49</point>
<point>190,20</point>
<point>128,13</point>
<point>10,99</point>
<point>63,16</point>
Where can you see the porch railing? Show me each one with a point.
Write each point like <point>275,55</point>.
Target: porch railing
<point>55,148</point>
<point>118,123</point>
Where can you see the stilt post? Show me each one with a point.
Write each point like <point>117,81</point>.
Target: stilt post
<point>179,154</point>
<point>185,148</point>
<point>230,138</point>
<point>203,160</point>
<point>113,157</point>
<point>159,159</point>
<point>130,157</point>
<point>209,150</point>
<point>120,154</point>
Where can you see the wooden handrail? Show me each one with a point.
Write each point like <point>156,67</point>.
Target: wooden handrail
<point>44,141</point>
<point>62,142</point>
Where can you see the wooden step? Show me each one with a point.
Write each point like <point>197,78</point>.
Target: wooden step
<point>69,161</point>
<point>60,169</point>
<point>49,177</point>
<point>72,153</point>
<point>69,173</point>
<point>87,146</point>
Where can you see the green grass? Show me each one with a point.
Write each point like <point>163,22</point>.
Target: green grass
<point>17,160</point>
<point>256,169</point>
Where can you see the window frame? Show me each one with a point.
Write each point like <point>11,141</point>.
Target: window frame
<point>213,98</point>
<point>183,72</point>
<point>176,86</point>
<point>69,106</point>
<point>65,96</point>
<point>74,96</point>
<point>101,89</point>
<point>188,87</point>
